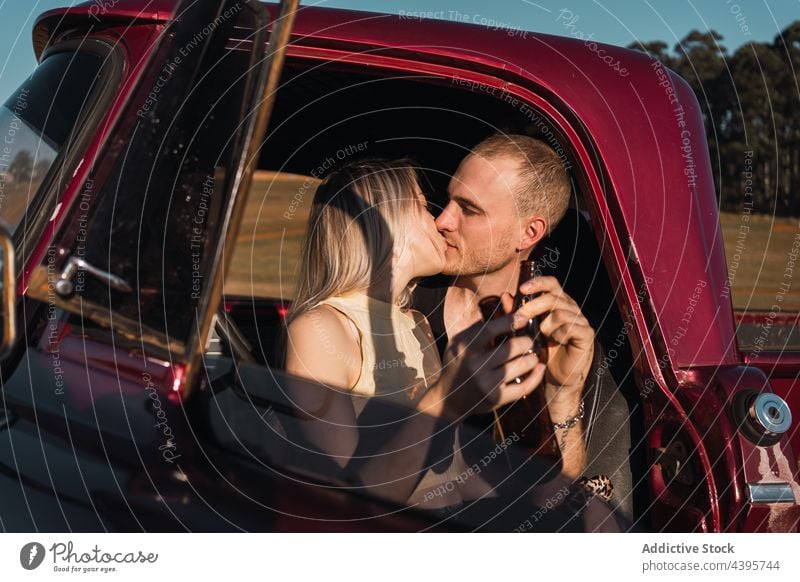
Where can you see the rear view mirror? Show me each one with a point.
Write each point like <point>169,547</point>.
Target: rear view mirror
<point>8,293</point>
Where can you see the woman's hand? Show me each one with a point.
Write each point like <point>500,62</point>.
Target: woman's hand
<point>478,377</point>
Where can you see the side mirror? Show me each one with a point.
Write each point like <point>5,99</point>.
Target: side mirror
<point>8,294</point>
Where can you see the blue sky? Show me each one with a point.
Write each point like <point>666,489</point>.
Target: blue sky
<point>612,21</point>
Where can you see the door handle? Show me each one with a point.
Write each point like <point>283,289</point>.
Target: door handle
<point>65,286</point>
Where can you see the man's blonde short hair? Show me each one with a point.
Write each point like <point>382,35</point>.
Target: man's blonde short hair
<point>544,185</point>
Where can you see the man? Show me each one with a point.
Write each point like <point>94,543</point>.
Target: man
<point>506,195</point>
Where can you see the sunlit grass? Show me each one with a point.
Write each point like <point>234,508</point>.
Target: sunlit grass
<point>763,259</point>
<point>268,247</point>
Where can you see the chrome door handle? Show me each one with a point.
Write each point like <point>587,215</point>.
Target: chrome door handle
<point>65,286</point>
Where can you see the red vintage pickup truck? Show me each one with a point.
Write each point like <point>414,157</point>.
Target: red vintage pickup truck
<point>146,271</point>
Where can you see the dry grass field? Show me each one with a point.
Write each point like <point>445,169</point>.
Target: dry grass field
<point>762,262</point>
<point>269,242</point>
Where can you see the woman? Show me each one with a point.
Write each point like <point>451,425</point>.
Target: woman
<point>370,237</point>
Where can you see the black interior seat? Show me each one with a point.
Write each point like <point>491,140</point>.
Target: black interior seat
<point>571,253</point>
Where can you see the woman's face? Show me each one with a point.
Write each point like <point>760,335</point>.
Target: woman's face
<point>425,247</point>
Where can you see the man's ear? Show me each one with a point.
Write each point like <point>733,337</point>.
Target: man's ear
<point>535,230</point>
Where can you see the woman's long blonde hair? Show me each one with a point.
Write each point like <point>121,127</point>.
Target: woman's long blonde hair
<point>356,216</point>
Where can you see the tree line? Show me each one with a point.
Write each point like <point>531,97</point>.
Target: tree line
<point>749,102</point>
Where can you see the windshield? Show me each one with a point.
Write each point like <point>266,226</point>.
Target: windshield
<point>35,125</point>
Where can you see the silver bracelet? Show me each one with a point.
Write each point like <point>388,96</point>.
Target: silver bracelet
<point>570,422</point>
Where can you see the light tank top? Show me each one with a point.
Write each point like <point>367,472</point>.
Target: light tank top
<point>399,361</point>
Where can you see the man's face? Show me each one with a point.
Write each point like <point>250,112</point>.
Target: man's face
<point>480,222</point>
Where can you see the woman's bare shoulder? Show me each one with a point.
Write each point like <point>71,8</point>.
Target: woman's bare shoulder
<point>318,318</point>
<point>321,346</point>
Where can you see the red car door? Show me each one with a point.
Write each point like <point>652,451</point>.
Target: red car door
<point>122,251</point>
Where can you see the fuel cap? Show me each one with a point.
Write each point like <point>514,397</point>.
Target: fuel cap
<point>770,413</point>
<point>761,417</point>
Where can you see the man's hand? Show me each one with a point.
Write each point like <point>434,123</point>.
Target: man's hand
<point>569,337</point>
<point>477,377</point>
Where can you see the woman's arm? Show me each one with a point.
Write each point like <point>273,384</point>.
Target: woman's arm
<point>475,378</point>
<point>321,348</point>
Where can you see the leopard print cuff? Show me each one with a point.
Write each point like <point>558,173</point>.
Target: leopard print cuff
<point>599,486</point>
